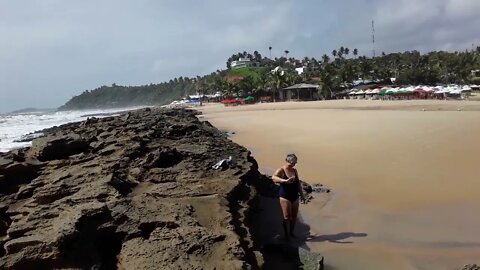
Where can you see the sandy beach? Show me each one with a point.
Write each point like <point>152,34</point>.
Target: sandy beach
<point>404,175</point>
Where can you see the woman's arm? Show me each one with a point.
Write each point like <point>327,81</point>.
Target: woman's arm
<point>300,188</point>
<point>277,177</point>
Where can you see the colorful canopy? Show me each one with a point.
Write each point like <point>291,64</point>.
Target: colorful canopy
<point>228,101</point>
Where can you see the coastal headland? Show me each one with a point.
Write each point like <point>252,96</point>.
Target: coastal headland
<point>136,191</point>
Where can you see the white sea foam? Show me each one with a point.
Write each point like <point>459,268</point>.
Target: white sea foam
<point>13,127</point>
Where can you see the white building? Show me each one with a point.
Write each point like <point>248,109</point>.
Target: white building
<point>242,62</point>
<point>300,70</point>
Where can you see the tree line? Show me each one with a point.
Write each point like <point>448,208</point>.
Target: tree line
<point>333,72</point>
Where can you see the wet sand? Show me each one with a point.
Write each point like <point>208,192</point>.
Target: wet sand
<point>405,176</point>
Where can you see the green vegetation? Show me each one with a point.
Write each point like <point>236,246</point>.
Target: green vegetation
<point>123,96</point>
<point>255,73</point>
<point>333,73</point>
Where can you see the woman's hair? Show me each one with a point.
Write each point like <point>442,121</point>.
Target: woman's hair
<point>291,158</point>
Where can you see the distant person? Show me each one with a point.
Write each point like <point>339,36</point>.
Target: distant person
<point>289,193</point>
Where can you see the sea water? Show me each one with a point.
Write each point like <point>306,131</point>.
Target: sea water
<point>13,127</point>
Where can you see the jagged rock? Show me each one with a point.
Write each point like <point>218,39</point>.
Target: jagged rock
<point>163,158</point>
<point>471,267</point>
<point>97,145</point>
<point>3,227</point>
<point>5,162</point>
<point>46,148</point>
<point>15,174</point>
<point>90,120</point>
<point>123,186</point>
<point>309,260</point>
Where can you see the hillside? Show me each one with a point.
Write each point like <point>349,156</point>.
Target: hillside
<point>124,96</point>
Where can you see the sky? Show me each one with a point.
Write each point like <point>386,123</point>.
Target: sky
<point>52,50</point>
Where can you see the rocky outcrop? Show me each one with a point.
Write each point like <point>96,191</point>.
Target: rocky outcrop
<point>137,191</point>
<point>131,192</point>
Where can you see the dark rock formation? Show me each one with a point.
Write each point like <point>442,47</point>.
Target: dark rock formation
<point>136,191</point>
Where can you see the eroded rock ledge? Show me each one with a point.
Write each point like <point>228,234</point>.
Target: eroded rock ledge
<point>130,192</point>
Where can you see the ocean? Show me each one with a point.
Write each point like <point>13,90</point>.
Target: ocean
<point>15,127</point>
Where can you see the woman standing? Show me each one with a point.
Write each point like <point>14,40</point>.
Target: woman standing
<point>289,193</point>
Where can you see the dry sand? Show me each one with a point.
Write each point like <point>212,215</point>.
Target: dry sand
<point>405,175</point>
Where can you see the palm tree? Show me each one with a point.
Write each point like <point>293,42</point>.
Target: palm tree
<point>292,78</point>
<point>201,87</point>
<point>327,82</point>
<point>270,49</point>
<point>355,52</point>
<point>347,51</point>
<point>286,53</point>
<point>325,59</point>
<point>278,80</point>
<point>334,53</point>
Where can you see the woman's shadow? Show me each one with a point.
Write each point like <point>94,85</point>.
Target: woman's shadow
<point>335,238</point>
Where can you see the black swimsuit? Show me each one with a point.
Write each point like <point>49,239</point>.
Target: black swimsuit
<point>289,191</point>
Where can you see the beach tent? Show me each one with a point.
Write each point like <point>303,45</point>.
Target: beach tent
<point>360,92</point>
<point>249,99</point>
<point>455,92</point>
<point>195,100</point>
<point>443,91</point>
<point>229,102</point>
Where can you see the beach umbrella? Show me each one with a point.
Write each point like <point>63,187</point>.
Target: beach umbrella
<point>399,91</point>
<point>456,92</point>
<point>420,91</point>
<point>390,92</point>
<point>428,89</point>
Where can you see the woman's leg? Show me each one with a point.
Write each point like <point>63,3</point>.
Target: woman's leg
<point>287,215</point>
<point>293,219</point>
